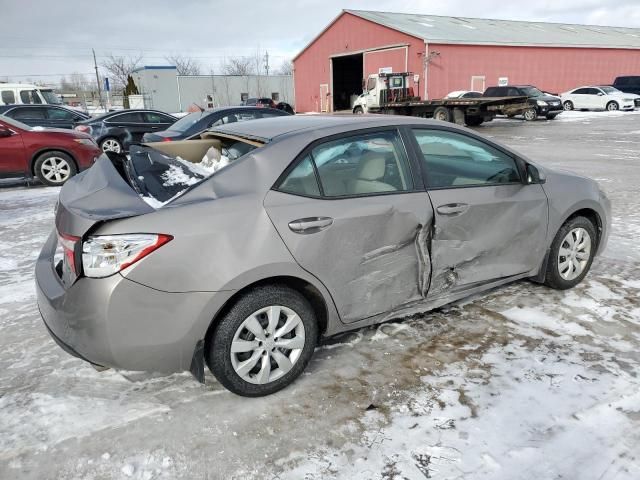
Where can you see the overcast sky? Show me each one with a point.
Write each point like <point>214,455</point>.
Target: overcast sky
<point>52,38</point>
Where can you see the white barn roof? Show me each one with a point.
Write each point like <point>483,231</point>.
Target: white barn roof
<point>480,31</point>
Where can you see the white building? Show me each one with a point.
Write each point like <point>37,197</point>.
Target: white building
<point>163,89</point>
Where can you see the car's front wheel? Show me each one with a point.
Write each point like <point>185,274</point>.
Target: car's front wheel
<point>571,254</point>
<point>358,111</point>
<point>54,168</point>
<point>264,342</point>
<point>613,106</point>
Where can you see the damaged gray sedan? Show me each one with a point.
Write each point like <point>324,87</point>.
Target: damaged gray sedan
<point>243,247</point>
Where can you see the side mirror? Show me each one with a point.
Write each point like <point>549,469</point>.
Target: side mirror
<point>600,94</point>
<point>5,132</point>
<point>534,175</point>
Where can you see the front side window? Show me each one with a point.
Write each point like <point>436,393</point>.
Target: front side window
<point>454,160</point>
<point>60,114</point>
<point>152,117</point>
<point>8,97</point>
<point>371,83</point>
<point>366,164</point>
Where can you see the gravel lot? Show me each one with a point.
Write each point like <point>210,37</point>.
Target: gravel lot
<point>521,383</point>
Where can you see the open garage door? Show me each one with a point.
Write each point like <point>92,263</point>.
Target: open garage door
<point>347,80</point>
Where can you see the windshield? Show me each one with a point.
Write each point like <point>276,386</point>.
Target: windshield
<point>50,97</point>
<point>186,122</point>
<point>15,123</point>
<point>531,92</point>
<point>609,90</point>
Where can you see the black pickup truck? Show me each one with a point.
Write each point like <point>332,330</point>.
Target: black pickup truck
<point>629,84</point>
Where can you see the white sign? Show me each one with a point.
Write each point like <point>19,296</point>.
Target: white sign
<point>416,78</point>
<point>385,70</point>
<point>503,81</point>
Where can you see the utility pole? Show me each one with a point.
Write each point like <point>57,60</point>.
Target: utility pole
<point>95,64</point>
<point>266,62</point>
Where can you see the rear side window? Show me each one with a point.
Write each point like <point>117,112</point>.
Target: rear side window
<point>494,92</point>
<point>152,117</point>
<point>130,117</point>
<point>302,180</point>
<point>28,113</point>
<point>581,91</point>
<point>365,164</point>
<point>8,97</point>
<point>454,160</point>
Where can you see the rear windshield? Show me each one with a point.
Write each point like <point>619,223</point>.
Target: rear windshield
<point>160,178</point>
<point>188,121</point>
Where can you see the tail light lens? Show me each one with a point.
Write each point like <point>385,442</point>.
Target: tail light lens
<point>83,128</point>
<point>166,139</point>
<point>68,244</point>
<point>105,255</point>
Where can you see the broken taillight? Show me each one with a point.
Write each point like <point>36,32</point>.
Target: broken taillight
<point>68,244</point>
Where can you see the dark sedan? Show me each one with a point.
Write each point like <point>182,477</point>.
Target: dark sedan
<point>52,116</point>
<point>199,121</point>
<point>116,131</point>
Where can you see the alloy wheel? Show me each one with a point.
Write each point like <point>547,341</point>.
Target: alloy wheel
<point>111,145</point>
<point>574,253</point>
<point>267,344</point>
<point>530,114</point>
<point>56,169</point>
<point>612,106</point>
<point>567,105</point>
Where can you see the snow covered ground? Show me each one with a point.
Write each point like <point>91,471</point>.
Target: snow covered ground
<point>521,383</point>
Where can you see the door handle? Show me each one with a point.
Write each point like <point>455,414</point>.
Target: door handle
<point>310,224</point>
<point>452,208</point>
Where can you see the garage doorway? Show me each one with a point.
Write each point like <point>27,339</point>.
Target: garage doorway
<point>347,80</point>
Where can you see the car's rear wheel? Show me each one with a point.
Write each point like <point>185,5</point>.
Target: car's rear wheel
<point>568,105</point>
<point>571,254</point>
<point>473,121</point>
<point>111,145</point>
<point>54,168</point>
<point>264,342</point>
<point>530,115</point>
<point>613,106</point>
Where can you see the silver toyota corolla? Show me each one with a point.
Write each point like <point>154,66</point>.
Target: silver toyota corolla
<point>243,247</point>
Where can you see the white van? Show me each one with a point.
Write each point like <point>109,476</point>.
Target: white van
<point>17,93</point>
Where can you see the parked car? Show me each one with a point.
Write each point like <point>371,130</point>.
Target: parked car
<point>464,94</point>
<point>315,226</point>
<point>53,116</point>
<point>269,103</point>
<point>52,155</point>
<point>628,84</point>
<point>198,121</point>
<point>598,98</point>
<point>22,93</point>
<point>116,131</point>
<point>542,105</point>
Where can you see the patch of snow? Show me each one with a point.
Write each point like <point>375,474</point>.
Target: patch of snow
<point>175,176</point>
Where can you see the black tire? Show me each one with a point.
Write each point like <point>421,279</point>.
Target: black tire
<point>358,111</point>
<point>54,168</point>
<point>106,143</point>
<point>613,106</point>
<point>218,352</point>
<point>473,121</point>
<point>553,278</point>
<point>551,116</point>
<point>530,115</point>
<point>442,113</point>
<point>568,105</point>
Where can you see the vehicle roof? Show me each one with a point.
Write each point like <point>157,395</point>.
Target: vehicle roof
<point>269,129</point>
<point>23,85</point>
<point>131,110</point>
<point>36,105</point>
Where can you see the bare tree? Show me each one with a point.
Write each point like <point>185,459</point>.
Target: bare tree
<point>184,65</point>
<point>239,66</point>
<point>286,68</point>
<point>120,68</point>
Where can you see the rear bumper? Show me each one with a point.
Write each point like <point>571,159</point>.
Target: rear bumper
<point>115,322</point>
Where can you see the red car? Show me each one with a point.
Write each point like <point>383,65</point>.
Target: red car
<point>53,155</point>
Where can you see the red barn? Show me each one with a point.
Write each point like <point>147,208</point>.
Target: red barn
<point>455,53</point>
